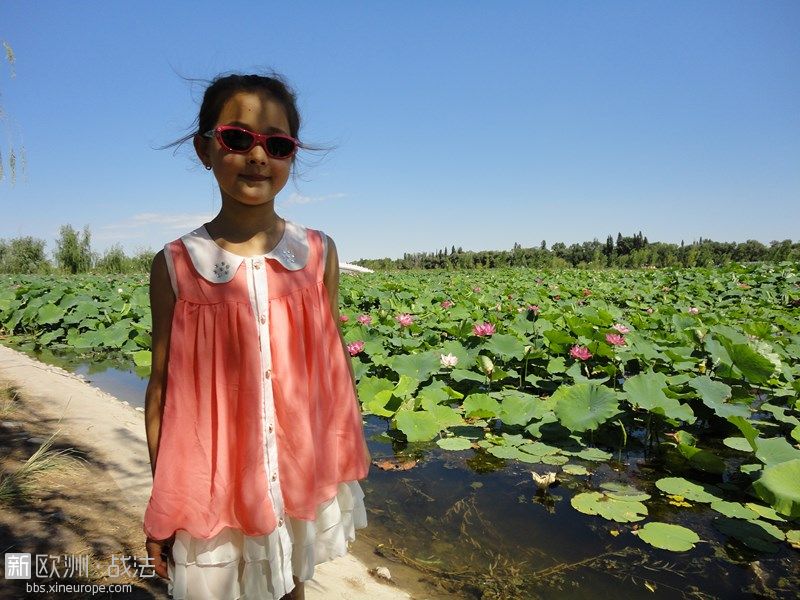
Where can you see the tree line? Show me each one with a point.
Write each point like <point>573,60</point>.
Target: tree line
<point>73,254</point>
<point>623,252</point>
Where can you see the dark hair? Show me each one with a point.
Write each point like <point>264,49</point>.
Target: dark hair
<point>224,87</point>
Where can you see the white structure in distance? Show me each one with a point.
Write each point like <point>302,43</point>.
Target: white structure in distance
<point>348,268</point>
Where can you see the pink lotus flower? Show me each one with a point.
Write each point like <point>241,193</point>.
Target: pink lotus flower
<point>448,303</point>
<point>649,310</point>
<point>364,319</point>
<point>587,292</point>
<point>355,347</point>
<point>448,360</point>
<point>694,310</point>
<point>620,327</point>
<point>615,339</point>
<point>557,297</point>
<point>476,289</point>
<point>483,329</point>
<point>404,319</point>
<point>344,318</point>
<point>580,352</point>
<point>534,308</point>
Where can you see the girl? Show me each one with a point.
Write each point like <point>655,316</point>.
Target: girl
<point>253,424</point>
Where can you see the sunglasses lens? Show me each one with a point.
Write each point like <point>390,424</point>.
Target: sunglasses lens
<point>280,147</point>
<point>237,139</point>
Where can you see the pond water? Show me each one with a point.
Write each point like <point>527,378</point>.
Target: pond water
<point>478,527</point>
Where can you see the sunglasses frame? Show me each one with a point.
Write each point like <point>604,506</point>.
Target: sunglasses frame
<point>259,139</point>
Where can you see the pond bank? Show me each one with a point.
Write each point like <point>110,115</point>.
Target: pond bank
<point>112,433</point>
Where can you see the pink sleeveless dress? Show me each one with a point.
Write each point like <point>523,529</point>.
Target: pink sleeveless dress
<point>262,443</point>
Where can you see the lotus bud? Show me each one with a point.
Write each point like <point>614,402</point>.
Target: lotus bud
<point>487,366</point>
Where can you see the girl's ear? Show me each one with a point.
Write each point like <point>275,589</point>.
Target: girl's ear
<point>201,148</point>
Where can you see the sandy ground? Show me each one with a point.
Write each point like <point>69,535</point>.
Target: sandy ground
<point>111,435</point>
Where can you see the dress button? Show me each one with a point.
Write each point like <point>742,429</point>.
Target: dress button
<point>263,319</point>
<point>256,265</point>
<point>274,476</point>
<point>270,428</point>
<point>280,522</point>
<point>268,373</point>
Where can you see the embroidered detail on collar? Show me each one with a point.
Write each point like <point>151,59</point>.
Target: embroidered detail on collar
<point>218,265</point>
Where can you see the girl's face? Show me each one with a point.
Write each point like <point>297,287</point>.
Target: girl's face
<point>252,178</point>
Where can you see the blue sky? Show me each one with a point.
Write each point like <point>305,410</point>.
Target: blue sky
<point>472,124</point>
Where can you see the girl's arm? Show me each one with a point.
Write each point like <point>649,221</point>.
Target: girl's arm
<point>162,303</point>
<point>331,280</point>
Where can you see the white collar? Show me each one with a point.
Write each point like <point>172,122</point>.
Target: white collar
<point>218,265</point>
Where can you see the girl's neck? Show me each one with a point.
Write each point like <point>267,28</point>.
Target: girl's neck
<point>253,228</point>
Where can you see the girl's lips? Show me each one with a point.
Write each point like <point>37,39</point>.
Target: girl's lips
<point>254,177</point>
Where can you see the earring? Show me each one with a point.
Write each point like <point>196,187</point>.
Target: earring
<point>208,167</point>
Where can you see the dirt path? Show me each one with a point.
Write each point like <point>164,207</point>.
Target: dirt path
<point>94,507</point>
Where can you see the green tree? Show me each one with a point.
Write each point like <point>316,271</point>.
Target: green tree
<point>74,251</point>
<point>114,261</point>
<point>23,255</point>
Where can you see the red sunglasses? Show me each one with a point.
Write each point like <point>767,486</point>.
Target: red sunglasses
<point>236,139</point>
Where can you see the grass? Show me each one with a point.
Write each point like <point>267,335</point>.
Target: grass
<point>19,485</point>
<point>8,399</point>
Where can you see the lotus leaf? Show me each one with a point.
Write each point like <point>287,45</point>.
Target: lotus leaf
<point>445,416</point>
<point>594,454</point>
<point>406,386</point>
<point>454,443</point>
<point>733,509</point>
<point>621,491</point>
<point>751,468</point>
<point>584,407</point>
<point>746,427</point>
<point>481,405</point>
<point>462,374</point>
<point>575,470</point>
<point>793,537</point>
<point>505,346</point>
<point>714,395</point>
<point>553,459</point>
<point>418,426</point>
<point>755,367</point>
<point>765,511</point>
<point>646,391</point>
<point>518,408</point>
<point>49,314</point>
<point>668,537</point>
<point>758,535</point>
<point>513,440</point>
<point>420,366</point>
<point>682,487</point>
<point>142,358</point>
<point>738,443</point>
<point>513,453</point>
<point>597,503</point>
<point>780,486</point>
<point>772,451</point>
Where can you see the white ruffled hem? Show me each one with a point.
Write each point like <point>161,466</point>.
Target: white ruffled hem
<point>233,566</point>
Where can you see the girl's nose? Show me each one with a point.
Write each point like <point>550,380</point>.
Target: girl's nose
<point>258,155</point>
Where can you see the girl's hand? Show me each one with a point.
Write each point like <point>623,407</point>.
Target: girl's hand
<point>161,552</point>
<point>367,454</point>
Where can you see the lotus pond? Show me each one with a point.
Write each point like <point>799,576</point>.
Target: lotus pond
<point>664,402</point>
